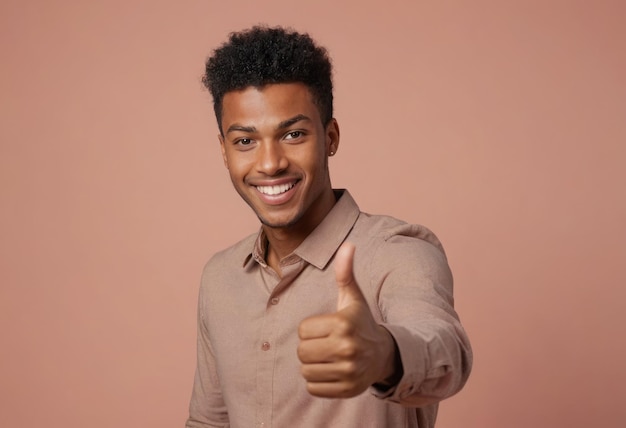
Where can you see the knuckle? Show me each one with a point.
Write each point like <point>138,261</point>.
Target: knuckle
<point>346,390</point>
<point>347,350</point>
<point>350,368</point>
<point>343,326</point>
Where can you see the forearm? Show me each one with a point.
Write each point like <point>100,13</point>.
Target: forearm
<point>415,297</point>
<point>392,363</point>
<point>436,362</point>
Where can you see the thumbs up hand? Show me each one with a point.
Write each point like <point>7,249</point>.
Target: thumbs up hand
<point>345,352</point>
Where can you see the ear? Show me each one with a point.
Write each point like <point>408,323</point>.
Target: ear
<point>223,148</point>
<point>332,137</point>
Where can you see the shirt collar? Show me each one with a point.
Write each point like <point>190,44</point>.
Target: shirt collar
<point>319,247</point>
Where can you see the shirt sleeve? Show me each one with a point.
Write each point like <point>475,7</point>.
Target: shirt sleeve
<point>416,301</point>
<point>207,407</point>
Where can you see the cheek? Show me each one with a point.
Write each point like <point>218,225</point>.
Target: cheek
<point>317,167</point>
<point>313,159</point>
<point>238,166</point>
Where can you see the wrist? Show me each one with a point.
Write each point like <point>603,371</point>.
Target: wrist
<point>392,370</point>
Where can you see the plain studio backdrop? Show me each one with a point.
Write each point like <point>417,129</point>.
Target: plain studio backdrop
<point>501,125</point>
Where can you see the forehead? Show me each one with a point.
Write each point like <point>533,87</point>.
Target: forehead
<point>274,102</point>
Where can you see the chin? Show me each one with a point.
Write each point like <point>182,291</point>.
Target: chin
<point>278,222</point>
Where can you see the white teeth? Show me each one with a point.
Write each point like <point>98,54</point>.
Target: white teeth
<point>275,190</point>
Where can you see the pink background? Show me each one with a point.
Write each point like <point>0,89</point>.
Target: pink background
<point>500,125</point>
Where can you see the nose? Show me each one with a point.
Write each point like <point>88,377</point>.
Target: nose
<point>271,159</point>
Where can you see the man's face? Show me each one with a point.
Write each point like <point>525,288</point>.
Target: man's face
<point>276,150</point>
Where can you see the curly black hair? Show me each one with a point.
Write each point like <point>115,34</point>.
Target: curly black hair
<point>263,55</point>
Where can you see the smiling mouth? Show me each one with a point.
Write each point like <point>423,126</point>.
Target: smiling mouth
<point>275,190</point>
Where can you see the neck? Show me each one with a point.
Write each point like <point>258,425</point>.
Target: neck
<point>282,241</point>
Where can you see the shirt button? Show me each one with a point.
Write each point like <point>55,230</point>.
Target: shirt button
<point>274,300</point>
<point>265,346</point>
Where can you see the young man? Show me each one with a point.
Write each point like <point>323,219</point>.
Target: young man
<point>327,317</point>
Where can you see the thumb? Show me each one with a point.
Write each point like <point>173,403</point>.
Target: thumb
<point>349,291</point>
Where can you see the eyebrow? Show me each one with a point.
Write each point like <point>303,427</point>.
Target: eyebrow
<point>287,123</point>
<point>235,127</point>
<point>282,125</point>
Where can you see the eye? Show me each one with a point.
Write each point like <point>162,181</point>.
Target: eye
<point>292,135</point>
<point>244,143</point>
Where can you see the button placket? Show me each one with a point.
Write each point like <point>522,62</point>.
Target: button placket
<point>269,346</point>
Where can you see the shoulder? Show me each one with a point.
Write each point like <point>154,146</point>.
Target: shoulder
<point>395,248</point>
<point>383,232</point>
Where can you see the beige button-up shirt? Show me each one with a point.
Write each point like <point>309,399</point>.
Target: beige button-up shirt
<point>248,372</point>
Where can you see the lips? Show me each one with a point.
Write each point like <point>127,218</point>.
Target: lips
<point>277,194</point>
<point>276,189</point>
